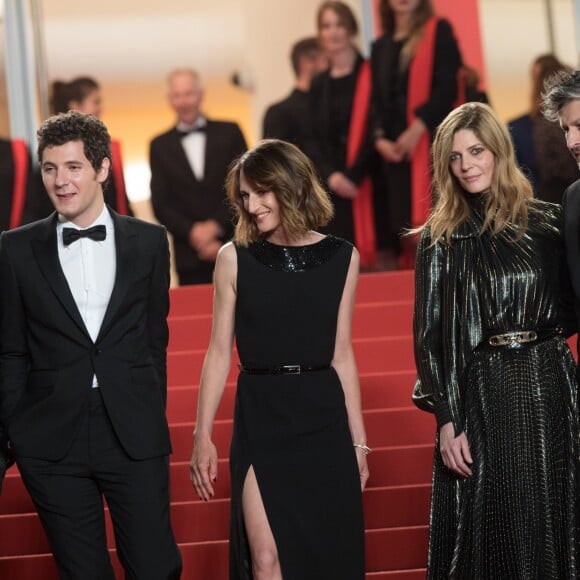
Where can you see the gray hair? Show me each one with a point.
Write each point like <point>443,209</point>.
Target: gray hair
<point>559,90</point>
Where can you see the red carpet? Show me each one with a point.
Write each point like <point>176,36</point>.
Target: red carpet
<point>397,498</point>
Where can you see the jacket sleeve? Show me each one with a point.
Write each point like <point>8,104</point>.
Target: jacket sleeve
<point>158,310</point>
<point>566,313</point>
<point>161,195</point>
<point>430,393</point>
<point>14,354</point>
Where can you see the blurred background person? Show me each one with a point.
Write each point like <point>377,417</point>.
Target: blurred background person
<point>473,92</point>
<point>189,164</point>
<point>415,66</point>
<point>338,144</point>
<point>19,182</point>
<point>289,119</point>
<point>83,94</point>
<point>540,150</point>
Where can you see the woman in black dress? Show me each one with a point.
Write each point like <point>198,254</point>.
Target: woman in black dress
<point>415,66</point>
<point>493,364</point>
<point>298,452</point>
<point>339,147</point>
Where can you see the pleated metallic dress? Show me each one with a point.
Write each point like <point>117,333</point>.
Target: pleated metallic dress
<point>516,517</point>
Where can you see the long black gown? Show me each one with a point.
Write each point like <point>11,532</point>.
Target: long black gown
<point>516,517</point>
<point>293,428</point>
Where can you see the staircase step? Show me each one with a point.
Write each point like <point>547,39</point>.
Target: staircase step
<point>396,548</point>
<point>388,549</point>
<point>385,427</point>
<point>376,287</point>
<point>378,390</point>
<point>389,466</point>
<point>193,331</point>
<point>205,560</point>
<point>387,353</point>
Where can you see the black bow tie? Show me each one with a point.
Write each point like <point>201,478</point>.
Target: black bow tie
<point>184,133</point>
<point>70,235</point>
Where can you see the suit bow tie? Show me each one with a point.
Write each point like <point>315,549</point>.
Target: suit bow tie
<point>185,132</point>
<point>70,235</point>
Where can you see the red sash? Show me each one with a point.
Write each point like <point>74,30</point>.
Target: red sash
<point>20,157</point>
<point>362,205</point>
<point>420,80</point>
<point>118,179</point>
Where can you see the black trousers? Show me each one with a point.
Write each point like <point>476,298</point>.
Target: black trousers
<point>68,495</point>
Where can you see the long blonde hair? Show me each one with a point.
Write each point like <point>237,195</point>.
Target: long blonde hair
<point>419,18</point>
<point>504,204</point>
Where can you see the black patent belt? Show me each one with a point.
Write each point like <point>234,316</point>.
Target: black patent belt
<point>516,338</point>
<point>282,369</point>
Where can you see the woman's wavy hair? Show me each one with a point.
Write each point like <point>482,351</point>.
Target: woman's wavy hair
<point>283,169</point>
<point>422,13</point>
<point>505,204</point>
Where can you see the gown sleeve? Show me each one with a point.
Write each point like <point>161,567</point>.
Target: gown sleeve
<point>430,392</point>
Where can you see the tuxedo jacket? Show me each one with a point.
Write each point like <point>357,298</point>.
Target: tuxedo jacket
<point>571,228</point>
<point>179,199</point>
<point>289,119</point>
<point>48,359</point>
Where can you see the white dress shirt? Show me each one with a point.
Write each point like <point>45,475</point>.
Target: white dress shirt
<point>90,268</point>
<point>194,146</point>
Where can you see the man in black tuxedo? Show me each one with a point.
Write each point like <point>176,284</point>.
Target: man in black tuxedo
<point>189,164</point>
<point>289,119</point>
<point>561,103</point>
<point>83,337</point>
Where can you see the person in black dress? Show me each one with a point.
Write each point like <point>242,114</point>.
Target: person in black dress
<point>298,452</point>
<point>289,119</point>
<point>404,112</point>
<point>332,97</point>
<point>493,363</point>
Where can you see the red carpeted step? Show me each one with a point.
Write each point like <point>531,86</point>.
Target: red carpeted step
<point>403,505</point>
<point>390,353</point>
<point>417,574</point>
<point>396,548</point>
<point>404,465</point>
<point>385,286</point>
<point>200,521</point>
<point>385,427</point>
<point>389,466</point>
<point>388,389</point>
<point>193,331</point>
<point>377,287</point>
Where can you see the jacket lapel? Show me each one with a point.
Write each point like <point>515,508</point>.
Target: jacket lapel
<point>126,250</point>
<point>45,250</point>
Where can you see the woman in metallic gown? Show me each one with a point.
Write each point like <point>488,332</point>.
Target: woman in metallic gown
<point>493,364</point>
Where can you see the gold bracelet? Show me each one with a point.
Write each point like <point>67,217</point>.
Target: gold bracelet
<point>366,449</point>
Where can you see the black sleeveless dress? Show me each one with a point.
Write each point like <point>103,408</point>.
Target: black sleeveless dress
<point>293,428</point>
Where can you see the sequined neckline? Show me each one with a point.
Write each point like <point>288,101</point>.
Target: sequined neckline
<point>295,258</point>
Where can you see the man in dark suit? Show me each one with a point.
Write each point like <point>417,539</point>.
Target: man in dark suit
<point>289,119</point>
<point>83,337</point>
<point>189,164</point>
<point>561,103</point>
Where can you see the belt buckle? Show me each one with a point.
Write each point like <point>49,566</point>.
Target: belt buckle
<point>291,369</point>
<point>513,339</point>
